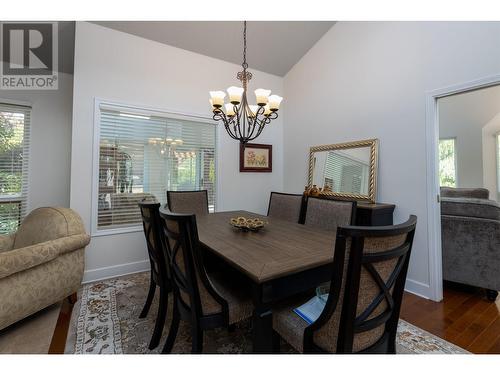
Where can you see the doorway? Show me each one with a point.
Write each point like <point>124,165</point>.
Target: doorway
<point>459,120</point>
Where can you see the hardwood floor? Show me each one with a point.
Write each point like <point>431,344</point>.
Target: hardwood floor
<point>465,317</point>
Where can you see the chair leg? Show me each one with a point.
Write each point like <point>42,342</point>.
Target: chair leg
<point>149,299</point>
<point>72,298</point>
<point>491,295</point>
<point>197,339</point>
<point>160,319</point>
<point>172,333</point>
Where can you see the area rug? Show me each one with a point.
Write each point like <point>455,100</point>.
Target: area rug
<point>106,320</point>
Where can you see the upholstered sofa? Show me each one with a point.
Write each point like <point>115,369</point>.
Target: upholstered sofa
<point>42,263</point>
<point>470,233</point>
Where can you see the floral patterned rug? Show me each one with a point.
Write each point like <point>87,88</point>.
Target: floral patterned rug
<point>106,320</point>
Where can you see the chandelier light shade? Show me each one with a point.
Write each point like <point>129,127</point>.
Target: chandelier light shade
<point>243,121</point>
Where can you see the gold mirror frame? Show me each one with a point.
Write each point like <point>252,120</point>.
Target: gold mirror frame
<point>372,188</point>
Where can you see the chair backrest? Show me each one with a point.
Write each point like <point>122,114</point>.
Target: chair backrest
<point>369,272</point>
<point>285,206</point>
<point>450,192</point>
<point>156,248</point>
<point>188,202</point>
<point>329,214</point>
<point>193,290</point>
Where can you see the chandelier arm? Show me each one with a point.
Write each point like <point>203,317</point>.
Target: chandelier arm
<point>264,121</point>
<point>253,124</point>
<point>239,120</point>
<point>219,115</point>
<point>231,133</point>
<point>260,112</point>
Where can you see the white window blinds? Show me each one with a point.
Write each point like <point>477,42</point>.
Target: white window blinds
<point>143,155</point>
<point>14,156</point>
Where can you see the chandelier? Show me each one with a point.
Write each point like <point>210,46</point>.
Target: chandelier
<point>166,148</point>
<point>242,121</point>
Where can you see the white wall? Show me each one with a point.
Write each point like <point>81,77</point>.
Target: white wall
<point>369,80</point>
<point>490,178</point>
<point>50,154</point>
<point>463,117</point>
<point>127,69</point>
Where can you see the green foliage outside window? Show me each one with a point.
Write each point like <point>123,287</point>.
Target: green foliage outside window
<point>11,161</point>
<point>447,166</point>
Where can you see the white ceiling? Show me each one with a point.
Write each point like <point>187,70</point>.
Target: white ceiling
<point>273,46</point>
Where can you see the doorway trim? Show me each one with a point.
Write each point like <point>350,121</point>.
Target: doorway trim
<point>433,193</point>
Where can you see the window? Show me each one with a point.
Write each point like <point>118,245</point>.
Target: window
<point>14,147</point>
<point>143,154</point>
<point>447,162</point>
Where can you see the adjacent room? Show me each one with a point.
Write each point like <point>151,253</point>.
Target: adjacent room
<point>230,187</point>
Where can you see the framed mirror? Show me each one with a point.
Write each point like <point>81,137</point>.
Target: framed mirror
<point>347,170</point>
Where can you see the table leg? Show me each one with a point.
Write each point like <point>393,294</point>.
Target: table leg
<point>262,331</point>
<point>262,323</point>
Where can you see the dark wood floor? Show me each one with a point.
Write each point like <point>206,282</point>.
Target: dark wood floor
<point>465,317</point>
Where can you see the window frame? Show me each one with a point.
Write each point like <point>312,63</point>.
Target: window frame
<point>497,164</point>
<point>455,156</point>
<point>139,110</point>
<point>24,196</point>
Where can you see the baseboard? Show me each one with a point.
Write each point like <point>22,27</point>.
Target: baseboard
<point>115,271</point>
<point>418,288</point>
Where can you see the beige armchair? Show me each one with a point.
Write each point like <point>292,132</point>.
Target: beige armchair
<point>42,263</point>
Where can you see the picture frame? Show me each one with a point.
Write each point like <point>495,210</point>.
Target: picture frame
<point>256,157</point>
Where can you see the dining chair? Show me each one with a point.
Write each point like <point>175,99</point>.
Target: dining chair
<point>285,206</point>
<point>328,214</point>
<point>204,301</point>
<point>188,202</point>
<point>160,275</point>
<point>362,309</point>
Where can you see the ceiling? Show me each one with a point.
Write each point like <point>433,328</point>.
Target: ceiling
<point>273,46</point>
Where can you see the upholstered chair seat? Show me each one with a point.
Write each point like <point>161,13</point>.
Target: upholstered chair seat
<point>42,263</point>
<point>285,206</point>
<point>240,306</point>
<point>289,325</point>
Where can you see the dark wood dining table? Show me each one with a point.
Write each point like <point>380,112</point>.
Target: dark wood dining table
<point>281,260</point>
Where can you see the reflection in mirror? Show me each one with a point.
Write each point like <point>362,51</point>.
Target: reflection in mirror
<point>343,171</point>
<point>346,170</point>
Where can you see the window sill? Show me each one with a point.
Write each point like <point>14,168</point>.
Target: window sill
<point>115,231</point>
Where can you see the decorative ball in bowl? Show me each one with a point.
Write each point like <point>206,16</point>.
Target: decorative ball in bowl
<point>246,224</point>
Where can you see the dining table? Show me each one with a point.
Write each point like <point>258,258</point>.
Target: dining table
<point>281,260</point>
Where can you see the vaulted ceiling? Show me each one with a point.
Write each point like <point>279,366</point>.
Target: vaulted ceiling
<point>273,46</point>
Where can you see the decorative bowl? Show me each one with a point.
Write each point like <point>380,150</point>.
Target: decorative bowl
<point>247,224</point>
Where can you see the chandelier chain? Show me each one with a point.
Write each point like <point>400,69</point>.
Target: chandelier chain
<point>245,65</point>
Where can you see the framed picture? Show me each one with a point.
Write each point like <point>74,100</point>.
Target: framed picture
<point>256,157</point>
